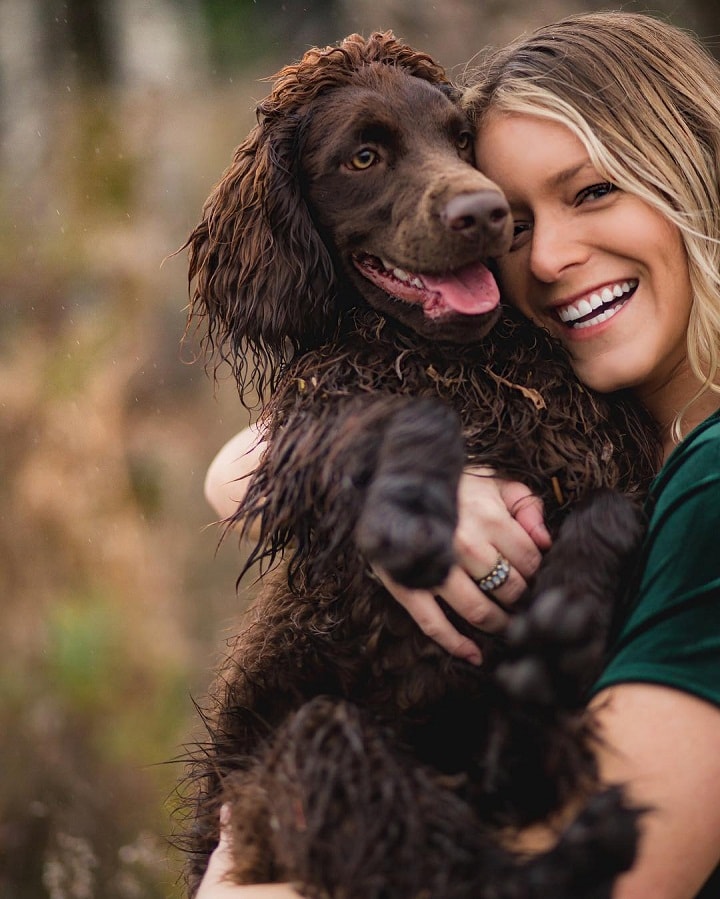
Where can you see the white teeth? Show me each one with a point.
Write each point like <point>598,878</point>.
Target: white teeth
<point>570,313</point>
<point>603,316</point>
<point>588,304</point>
<point>583,308</point>
<point>401,274</point>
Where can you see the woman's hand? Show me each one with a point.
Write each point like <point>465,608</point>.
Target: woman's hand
<point>216,885</point>
<point>496,518</point>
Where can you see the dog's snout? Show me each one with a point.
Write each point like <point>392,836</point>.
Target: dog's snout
<point>482,214</point>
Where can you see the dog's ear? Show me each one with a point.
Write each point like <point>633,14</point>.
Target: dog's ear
<point>260,274</point>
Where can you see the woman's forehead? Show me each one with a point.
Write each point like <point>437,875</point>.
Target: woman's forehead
<point>514,148</point>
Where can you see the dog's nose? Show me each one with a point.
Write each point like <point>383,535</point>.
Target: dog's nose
<point>483,214</point>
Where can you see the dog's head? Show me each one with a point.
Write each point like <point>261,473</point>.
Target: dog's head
<point>356,185</point>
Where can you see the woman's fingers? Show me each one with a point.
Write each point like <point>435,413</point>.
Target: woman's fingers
<point>216,883</point>
<point>487,532</point>
<point>424,609</point>
<point>501,532</point>
<point>464,596</point>
<point>527,510</point>
<point>483,562</point>
<point>479,555</point>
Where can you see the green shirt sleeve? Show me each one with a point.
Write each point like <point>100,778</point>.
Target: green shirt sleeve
<point>672,633</point>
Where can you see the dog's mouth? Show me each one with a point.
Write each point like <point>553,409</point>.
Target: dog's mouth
<point>470,290</point>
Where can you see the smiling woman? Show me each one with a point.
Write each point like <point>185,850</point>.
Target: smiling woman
<point>621,187</point>
<point>616,251</point>
<point>597,266</point>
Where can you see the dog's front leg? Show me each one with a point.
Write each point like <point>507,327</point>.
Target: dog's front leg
<point>558,642</point>
<point>410,511</point>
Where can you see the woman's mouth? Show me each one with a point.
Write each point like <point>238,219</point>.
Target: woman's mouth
<point>598,306</point>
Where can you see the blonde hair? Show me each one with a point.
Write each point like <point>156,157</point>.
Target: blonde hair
<point>644,99</point>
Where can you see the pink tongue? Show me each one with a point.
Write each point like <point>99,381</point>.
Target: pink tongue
<point>471,290</point>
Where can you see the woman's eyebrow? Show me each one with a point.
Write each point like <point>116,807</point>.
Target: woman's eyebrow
<point>560,178</point>
<point>554,181</point>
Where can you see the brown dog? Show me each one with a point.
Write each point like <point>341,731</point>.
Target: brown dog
<point>342,267</point>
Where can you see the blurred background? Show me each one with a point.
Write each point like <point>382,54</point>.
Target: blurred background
<point>116,118</point>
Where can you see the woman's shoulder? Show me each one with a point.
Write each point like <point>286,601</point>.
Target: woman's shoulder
<point>703,437</point>
<point>685,498</point>
<point>698,456</point>
<point>670,634</point>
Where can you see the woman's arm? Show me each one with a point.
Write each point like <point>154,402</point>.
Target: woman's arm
<point>665,745</point>
<point>226,478</point>
<point>496,517</point>
<point>215,885</point>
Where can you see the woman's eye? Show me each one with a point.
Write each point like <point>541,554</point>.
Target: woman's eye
<point>596,191</point>
<point>521,231</point>
<point>364,158</point>
<point>464,140</point>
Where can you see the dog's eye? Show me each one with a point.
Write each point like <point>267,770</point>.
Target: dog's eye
<point>364,158</point>
<point>464,140</point>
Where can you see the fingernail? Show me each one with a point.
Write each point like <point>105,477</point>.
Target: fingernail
<point>225,813</point>
<point>541,533</point>
<point>475,658</point>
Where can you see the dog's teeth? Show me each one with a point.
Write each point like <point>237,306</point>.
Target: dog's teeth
<point>401,274</point>
<point>416,282</point>
<point>388,265</point>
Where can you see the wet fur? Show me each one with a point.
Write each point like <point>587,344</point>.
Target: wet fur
<point>361,759</point>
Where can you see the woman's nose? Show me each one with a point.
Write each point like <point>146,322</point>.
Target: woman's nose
<point>554,249</point>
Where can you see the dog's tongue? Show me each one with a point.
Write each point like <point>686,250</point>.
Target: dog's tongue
<point>471,290</point>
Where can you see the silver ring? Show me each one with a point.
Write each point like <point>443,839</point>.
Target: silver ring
<point>496,577</point>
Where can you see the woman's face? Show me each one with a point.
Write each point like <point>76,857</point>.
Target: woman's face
<point>599,268</point>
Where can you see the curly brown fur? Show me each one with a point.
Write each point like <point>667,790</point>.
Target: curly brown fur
<point>342,804</point>
<point>376,389</point>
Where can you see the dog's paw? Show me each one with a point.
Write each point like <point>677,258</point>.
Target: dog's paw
<point>409,512</point>
<point>554,650</point>
<point>597,847</point>
<point>407,528</point>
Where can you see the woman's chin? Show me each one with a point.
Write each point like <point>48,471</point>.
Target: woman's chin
<point>601,376</point>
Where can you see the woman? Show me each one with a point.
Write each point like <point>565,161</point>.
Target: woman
<point>604,132</point>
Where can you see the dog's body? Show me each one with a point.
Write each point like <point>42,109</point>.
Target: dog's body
<point>341,264</point>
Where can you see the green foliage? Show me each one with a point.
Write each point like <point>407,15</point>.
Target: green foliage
<point>242,31</point>
<point>236,31</point>
<point>84,651</point>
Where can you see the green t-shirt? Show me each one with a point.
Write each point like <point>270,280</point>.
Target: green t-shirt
<point>671,633</point>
